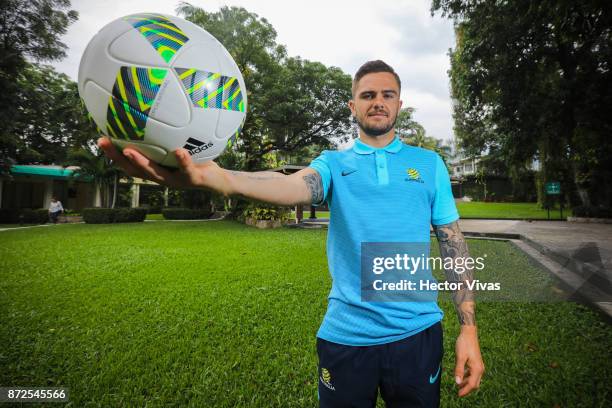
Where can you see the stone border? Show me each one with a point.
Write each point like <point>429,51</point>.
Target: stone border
<point>588,220</point>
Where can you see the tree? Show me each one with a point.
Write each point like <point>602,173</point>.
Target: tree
<point>29,30</point>
<point>293,103</point>
<point>95,167</point>
<point>533,80</point>
<point>50,118</point>
<point>306,105</point>
<point>413,133</point>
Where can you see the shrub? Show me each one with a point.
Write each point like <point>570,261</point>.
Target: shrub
<point>263,211</point>
<point>9,215</point>
<point>24,216</point>
<point>592,212</point>
<point>185,213</point>
<point>130,214</point>
<point>38,216</point>
<point>98,215</point>
<point>154,210</point>
<point>113,215</point>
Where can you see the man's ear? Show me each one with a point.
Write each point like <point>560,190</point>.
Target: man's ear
<point>351,105</point>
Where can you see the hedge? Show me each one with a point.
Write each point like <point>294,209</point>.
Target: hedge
<point>592,212</point>
<point>186,213</point>
<point>113,215</point>
<point>24,216</point>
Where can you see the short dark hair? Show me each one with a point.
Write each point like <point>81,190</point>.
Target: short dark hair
<point>372,67</point>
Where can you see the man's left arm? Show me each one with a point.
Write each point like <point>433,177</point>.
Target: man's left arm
<point>469,366</point>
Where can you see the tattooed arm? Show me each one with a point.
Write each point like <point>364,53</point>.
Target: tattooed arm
<point>469,366</point>
<point>302,187</point>
<point>453,245</point>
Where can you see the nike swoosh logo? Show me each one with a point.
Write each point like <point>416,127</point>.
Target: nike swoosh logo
<point>347,172</point>
<point>435,377</point>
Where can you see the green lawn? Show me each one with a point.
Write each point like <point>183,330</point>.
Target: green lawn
<point>222,315</point>
<point>477,209</point>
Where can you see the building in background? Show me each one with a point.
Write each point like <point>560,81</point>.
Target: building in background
<point>33,185</point>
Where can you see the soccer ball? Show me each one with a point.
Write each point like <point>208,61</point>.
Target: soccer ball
<point>157,83</point>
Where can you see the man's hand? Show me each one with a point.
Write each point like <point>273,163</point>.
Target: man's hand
<point>469,366</point>
<point>189,175</point>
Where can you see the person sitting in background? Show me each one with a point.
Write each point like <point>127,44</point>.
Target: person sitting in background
<point>55,209</point>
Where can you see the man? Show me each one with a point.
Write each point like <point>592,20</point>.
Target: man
<point>55,209</point>
<point>379,191</point>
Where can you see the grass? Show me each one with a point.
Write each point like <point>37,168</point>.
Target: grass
<point>155,217</point>
<point>477,209</point>
<point>223,315</point>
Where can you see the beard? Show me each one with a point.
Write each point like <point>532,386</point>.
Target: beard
<point>375,131</point>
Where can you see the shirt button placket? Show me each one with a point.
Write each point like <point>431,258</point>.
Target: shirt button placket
<point>381,167</point>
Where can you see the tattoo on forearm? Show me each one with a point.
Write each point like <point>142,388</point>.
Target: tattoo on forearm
<point>258,175</point>
<point>453,245</point>
<point>315,186</point>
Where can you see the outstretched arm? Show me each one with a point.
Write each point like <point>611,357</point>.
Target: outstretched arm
<point>304,186</point>
<point>453,245</point>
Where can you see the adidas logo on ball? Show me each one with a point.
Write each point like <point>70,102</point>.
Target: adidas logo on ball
<point>194,146</point>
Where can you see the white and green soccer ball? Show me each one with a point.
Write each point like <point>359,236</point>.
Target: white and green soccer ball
<point>158,82</point>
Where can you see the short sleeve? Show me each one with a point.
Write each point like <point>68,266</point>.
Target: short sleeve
<point>321,165</point>
<point>443,209</point>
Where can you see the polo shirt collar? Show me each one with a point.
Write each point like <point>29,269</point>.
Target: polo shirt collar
<point>362,148</point>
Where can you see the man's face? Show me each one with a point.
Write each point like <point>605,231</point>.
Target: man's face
<point>376,103</point>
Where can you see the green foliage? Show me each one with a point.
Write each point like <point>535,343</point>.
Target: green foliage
<point>113,215</point>
<point>533,80</point>
<point>30,30</point>
<point>24,216</point>
<point>50,119</point>
<point>262,211</point>
<point>592,212</point>
<point>293,103</point>
<point>185,213</point>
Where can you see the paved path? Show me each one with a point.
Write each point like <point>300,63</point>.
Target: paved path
<point>591,243</point>
<point>577,253</point>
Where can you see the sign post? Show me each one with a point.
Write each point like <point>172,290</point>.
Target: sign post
<point>553,188</point>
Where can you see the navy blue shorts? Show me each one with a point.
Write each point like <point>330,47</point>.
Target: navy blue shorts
<point>407,372</point>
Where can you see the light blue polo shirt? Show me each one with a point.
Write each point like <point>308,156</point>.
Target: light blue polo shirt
<point>389,194</point>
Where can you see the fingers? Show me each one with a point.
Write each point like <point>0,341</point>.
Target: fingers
<point>116,156</point>
<point>152,170</point>
<point>184,160</point>
<point>460,369</point>
<point>192,172</point>
<point>471,381</point>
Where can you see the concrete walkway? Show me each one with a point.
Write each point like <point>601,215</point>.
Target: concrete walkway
<point>589,243</point>
<point>579,254</point>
